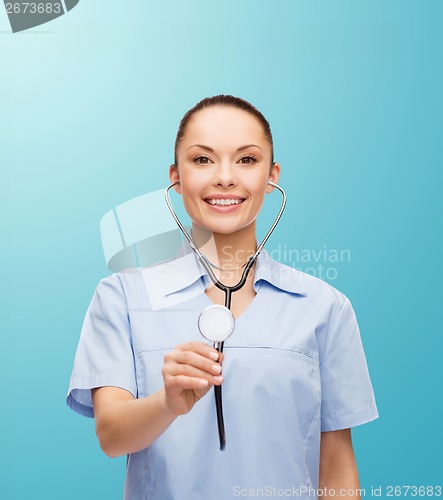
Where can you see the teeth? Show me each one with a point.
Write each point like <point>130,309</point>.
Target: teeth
<point>223,202</point>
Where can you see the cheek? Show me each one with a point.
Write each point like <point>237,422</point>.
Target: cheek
<point>191,192</point>
<point>256,186</point>
<point>193,180</point>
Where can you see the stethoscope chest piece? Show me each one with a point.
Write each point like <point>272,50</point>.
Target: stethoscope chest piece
<point>216,323</point>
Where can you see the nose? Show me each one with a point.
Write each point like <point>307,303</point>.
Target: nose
<point>225,175</point>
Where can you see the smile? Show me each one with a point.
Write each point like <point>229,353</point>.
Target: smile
<point>224,202</point>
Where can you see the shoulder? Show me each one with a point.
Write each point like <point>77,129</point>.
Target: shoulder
<point>294,281</point>
<point>124,284</point>
<point>118,279</point>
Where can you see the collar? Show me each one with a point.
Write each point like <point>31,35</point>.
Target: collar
<point>185,270</point>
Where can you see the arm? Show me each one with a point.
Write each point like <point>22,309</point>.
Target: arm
<point>127,425</point>
<point>338,469</point>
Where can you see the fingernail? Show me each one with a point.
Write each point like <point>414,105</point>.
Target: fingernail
<point>203,383</point>
<point>216,369</point>
<point>214,355</point>
<point>218,378</point>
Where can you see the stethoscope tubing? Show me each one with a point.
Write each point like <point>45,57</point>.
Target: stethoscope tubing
<point>203,258</point>
<point>228,290</point>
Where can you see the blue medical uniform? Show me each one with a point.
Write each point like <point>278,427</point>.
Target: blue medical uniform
<point>294,367</point>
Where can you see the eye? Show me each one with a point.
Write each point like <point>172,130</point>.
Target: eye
<point>248,160</point>
<point>201,160</point>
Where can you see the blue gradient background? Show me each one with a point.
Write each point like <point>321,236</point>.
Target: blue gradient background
<point>89,106</point>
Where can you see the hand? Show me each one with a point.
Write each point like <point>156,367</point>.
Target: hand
<point>189,371</point>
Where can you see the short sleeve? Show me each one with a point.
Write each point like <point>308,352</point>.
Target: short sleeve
<point>347,397</point>
<point>104,354</point>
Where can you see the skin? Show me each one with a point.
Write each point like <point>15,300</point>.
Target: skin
<point>224,151</point>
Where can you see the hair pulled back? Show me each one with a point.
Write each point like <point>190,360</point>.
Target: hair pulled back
<point>223,100</point>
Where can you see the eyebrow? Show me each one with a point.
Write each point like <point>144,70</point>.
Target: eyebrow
<point>211,150</point>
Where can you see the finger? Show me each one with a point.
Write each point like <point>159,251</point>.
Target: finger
<point>184,382</point>
<point>200,348</point>
<point>176,384</point>
<point>177,369</point>
<point>197,361</point>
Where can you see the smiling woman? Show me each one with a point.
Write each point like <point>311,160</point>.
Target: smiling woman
<point>224,153</point>
<point>295,378</point>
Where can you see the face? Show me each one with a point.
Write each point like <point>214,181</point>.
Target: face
<point>224,164</point>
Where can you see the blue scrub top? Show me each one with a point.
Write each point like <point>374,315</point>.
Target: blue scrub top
<point>294,367</point>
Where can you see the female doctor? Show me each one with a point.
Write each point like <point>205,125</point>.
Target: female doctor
<point>294,378</point>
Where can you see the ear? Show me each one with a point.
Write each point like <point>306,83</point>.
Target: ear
<point>174,177</point>
<point>274,175</point>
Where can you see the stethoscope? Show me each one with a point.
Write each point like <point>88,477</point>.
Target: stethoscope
<point>216,322</point>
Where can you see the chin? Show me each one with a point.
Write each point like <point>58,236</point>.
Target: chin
<point>224,228</point>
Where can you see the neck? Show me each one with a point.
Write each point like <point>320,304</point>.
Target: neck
<point>226,250</point>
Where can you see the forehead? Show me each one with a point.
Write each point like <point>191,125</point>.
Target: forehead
<point>224,126</point>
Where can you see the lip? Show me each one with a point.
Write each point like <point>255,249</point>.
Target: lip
<point>220,196</point>
<point>220,208</point>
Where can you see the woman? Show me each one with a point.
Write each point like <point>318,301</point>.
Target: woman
<point>294,378</point>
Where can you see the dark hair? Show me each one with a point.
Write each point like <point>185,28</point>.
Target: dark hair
<point>223,100</point>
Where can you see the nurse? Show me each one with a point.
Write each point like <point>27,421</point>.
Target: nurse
<point>295,379</point>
